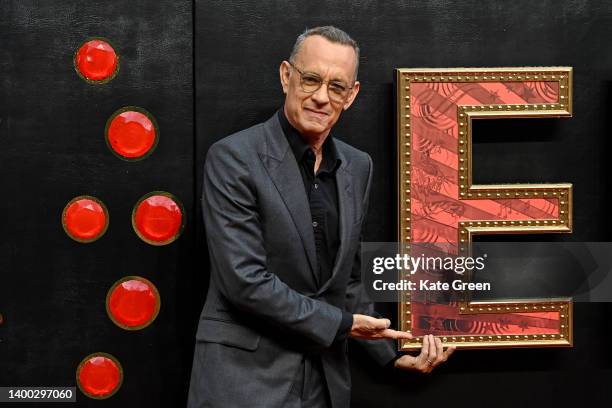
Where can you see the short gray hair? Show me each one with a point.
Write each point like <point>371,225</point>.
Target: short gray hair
<point>330,33</point>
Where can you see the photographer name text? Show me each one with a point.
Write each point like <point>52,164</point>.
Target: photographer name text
<point>429,285</point>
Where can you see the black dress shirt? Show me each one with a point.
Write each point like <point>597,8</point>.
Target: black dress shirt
<point>323,201</point>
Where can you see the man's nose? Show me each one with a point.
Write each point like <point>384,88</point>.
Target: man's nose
<point>321,96</point>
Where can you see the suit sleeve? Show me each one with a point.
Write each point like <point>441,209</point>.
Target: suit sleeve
<point>236,247</point>
<point>358,302</point>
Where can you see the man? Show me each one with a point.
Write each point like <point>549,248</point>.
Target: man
<point>284,204</point>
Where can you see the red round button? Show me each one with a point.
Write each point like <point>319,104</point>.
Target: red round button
<point>99,375</point>
<point>85,219</point>
<point>96,61</point>
<point>158,218</point>
<point>132,303</point>
<point>131,133</point>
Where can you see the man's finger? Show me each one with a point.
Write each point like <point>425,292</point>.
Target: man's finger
<point>450,350</point>
<point>439,350</point>
<point>425,347</point>
<point>432,350</point>
<point>395,334</point>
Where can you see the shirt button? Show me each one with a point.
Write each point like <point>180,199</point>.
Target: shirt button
<point>315,224</point>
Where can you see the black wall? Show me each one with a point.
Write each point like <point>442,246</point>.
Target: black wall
<point>209,68</point>
<point>239,46</point>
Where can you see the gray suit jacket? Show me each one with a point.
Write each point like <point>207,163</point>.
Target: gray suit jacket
<point>265,308</point>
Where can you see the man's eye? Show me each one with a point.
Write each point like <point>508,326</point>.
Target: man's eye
<point>338,88</point>
<point>311,80</point>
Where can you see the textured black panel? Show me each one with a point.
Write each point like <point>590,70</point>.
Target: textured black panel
<point>52,289</point>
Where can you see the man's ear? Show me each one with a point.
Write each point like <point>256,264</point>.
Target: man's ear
<point>352,95</point>
<point>284,72</point>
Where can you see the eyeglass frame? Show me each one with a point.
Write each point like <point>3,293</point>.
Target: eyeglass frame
<point>348,88</point>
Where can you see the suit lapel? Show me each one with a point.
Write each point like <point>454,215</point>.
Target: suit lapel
<point>284,172</point>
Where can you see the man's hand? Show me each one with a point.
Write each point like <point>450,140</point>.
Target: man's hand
<point>367,327</point>
<point>432,355</point>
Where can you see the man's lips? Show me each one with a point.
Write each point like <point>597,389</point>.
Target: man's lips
<point>317,113</point>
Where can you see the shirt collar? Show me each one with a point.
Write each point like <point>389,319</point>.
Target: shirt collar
<point>300,148</point>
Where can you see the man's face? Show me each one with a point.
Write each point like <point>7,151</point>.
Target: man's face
<point>313,114</point>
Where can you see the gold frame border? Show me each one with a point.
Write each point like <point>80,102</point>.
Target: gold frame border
<point>100,354</point>
<point>563,191</point>
<point>157,302</point>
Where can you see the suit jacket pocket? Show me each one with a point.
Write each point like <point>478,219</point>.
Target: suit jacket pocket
<point>228,333</point>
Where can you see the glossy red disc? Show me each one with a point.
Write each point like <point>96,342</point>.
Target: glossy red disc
<point>133,303</point>
<point>158,218</point>
<point>96,61</point>
<point>131,133</point>
<point>85,219</point>
<point>99,375</point>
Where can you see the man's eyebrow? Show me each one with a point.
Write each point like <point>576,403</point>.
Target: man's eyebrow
<point>334,79</point>
<point>339,80</point>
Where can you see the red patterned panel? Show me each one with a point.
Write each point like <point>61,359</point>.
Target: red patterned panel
<point>436,206</point>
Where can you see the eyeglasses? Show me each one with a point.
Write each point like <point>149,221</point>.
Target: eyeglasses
<point>310,82</point>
